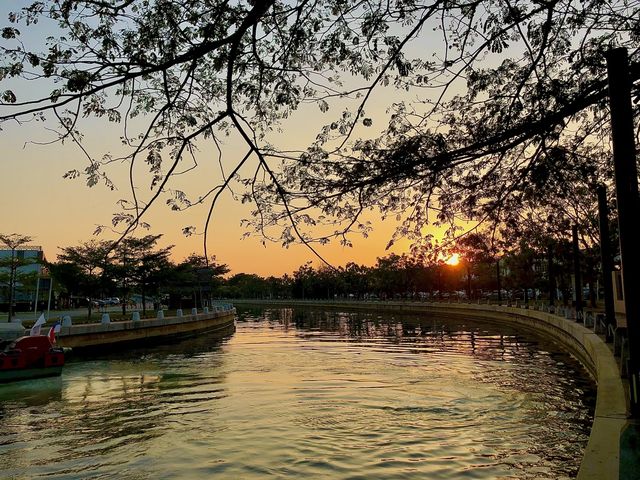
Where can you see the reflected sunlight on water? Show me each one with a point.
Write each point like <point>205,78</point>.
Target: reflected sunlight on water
<point>309,393</point>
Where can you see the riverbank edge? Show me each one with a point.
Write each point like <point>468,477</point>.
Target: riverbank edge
<point>601,460</point>
<point>113,334</point>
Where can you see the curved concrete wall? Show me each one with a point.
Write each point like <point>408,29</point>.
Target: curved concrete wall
<point>113,333</point>
<point>602,454</point>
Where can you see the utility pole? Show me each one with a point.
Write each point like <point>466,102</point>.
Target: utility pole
<point>624,160</point>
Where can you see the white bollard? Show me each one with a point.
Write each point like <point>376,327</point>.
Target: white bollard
<point>105,318</point>
<point>206,309</point>
<point>179,312</point>
<point>160,315</point>
<point>66,321</point>
<point>135,316</point>
<point>194,311</point>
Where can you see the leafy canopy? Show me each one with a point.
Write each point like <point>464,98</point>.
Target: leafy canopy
<point>510,122</point>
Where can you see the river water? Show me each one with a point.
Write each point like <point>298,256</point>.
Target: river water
<point>315,394</point>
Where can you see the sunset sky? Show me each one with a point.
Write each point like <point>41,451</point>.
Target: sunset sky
<point>59,212</point>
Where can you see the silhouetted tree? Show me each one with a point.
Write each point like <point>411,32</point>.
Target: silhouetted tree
<point>205,275</point>
<point>70,281</point>
<point>477,252</point>
<point>92,261</point>
<point>10,265</point>
<point>140,266</point>
<point>245,285</point>
<point>516,109</point>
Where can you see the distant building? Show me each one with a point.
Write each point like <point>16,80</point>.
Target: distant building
<point>24,295</point>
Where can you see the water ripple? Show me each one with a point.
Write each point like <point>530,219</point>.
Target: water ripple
<point>315,394</point>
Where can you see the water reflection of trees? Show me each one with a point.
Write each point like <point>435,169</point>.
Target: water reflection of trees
<point>556,395</point>
<point>463,336</point>
<point>436,333</point>
<point>121,413</point>
<point>114,408</point>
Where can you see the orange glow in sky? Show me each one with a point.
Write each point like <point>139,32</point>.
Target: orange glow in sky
<point>453,260</point>
<point>57,212</point>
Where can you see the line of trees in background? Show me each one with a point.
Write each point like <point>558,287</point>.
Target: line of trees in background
<point>519,142</point>
<point>140,273</point>
<point>480,274</point>
<point>137,271</point>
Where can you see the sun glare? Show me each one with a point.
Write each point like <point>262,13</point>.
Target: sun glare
<point>454,259</point>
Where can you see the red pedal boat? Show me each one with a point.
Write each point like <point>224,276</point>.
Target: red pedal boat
<point>30,357</point>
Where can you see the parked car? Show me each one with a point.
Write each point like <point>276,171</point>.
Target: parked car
<point>106,302</point>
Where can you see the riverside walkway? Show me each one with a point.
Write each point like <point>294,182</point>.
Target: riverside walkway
<point>612,452</point>
<point>107,334</point>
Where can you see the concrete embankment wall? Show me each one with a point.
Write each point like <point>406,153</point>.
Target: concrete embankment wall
<point>155,329</point>
<point>602,454</point>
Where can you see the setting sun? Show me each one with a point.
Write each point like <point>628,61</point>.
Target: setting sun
<point>454,259</point>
